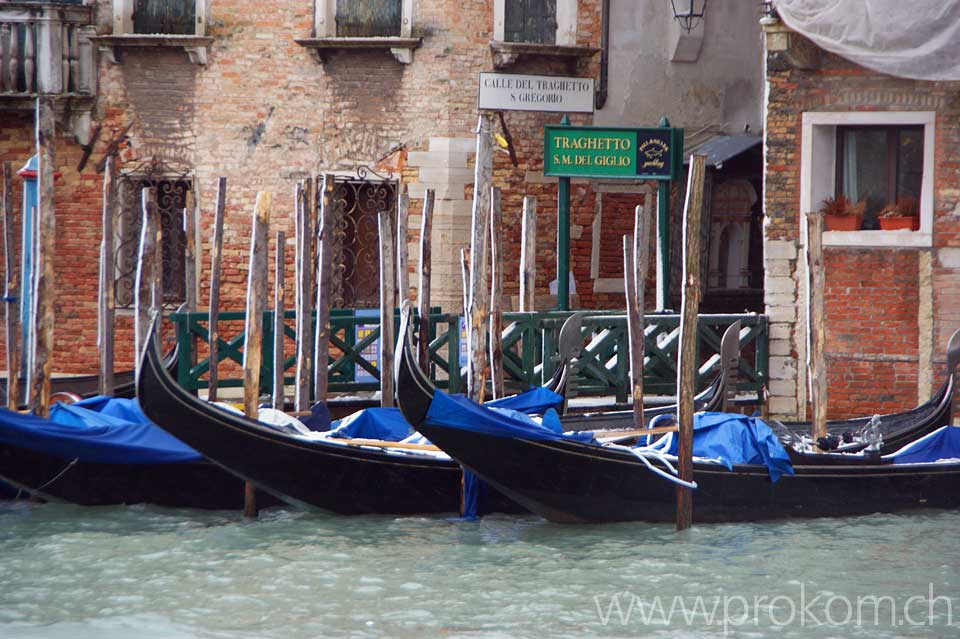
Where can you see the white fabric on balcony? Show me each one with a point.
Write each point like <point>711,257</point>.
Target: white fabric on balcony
<point>918,39</point>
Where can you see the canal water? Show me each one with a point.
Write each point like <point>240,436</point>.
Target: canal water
<point>69,572</point>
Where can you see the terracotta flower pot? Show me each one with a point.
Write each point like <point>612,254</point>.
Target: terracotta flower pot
<point>843,222</point>
<point>911,223</point>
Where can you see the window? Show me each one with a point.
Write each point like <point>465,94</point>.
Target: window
<point>872,155</point>
<point>879,165</point>
<point>159,17</point>
<point>171,200</point>
<point>552,22</point>
<point>173,17</point>
<point>530,21</point>
<point>368,18</point>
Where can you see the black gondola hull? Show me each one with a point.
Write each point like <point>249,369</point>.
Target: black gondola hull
<point>571,482</point>
<point>344,479</point>
<point>196,484</point>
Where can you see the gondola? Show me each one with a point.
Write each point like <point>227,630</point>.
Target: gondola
<point>569,480</point>
<point>342,476</point>
<point>47,460</point>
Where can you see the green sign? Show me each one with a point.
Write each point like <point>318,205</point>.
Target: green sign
<point>595,152</point>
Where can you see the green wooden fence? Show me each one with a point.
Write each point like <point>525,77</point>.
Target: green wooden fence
<point>530,356</point>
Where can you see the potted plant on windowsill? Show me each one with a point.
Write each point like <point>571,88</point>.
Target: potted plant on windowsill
<point>902,214</point>
<point>840,214</point>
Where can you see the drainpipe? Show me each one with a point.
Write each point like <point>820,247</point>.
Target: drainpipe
<point>601,97</point>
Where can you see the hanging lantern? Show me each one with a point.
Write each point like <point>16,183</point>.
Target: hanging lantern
<point>688,12</point>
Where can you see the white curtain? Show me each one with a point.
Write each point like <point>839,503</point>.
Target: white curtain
<point>918,39</point>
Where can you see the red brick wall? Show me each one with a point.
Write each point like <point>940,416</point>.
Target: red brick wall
<point>871,305</point>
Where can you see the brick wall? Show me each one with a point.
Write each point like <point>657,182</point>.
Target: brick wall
<point>889,310</point>
<point>264,114</point>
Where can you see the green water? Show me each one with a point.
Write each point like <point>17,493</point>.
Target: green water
<point>150,573</point>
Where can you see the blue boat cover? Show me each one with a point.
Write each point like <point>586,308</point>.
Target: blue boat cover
<point>943,443</point>
<point>532,402</point>
<point>457,411</point>
<point>736,439</point>
<point>100,430</point>
<point>388,424</point>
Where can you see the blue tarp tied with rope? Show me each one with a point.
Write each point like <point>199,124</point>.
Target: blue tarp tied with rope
<point>100,429</point>
<point>734,439</point>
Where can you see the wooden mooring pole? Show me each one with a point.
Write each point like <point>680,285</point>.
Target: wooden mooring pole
<point>10,292</point>
<point>278,323</point>
<point>635,266</point>
<point>403,250</point>
<point>216,256</point>
<point>816,362</point>
<point>689,312</point>
<point>634,331</point>
<point>47,233</point>
<point>106,304</point>
<point>253,326</point>
<point>496,294</point>
<point>387,296</point>
<point>304,294</point>
<point>479,243</point>
<point>321,353</point>
<point>423,284</point>
<point>528,255</point>
<point>147,296</point>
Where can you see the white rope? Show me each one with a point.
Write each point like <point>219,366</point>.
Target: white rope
<point>642,456</point>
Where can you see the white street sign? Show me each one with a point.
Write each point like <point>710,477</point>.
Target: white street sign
<point>516,92</point>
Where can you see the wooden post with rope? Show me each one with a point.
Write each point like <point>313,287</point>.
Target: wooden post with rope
<point>304,293</point>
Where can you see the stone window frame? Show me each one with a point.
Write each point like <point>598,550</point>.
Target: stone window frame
<point>194,45</point>
<point>325,38</point>
<point>565,46</point>
<point>566,22</point>
<point>818,160</point>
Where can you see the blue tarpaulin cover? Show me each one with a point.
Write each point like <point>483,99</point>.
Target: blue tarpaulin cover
<point>100,429</point>
<point>532,402</point>
<point>736,439</point>
<point>943,443</point>
<point>388,424</point>
<point>457,411</point>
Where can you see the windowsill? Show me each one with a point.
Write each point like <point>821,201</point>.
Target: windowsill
<point>506,54</point>
<point>400,48</point>
<point>878,239</point>
<point>195,46</point>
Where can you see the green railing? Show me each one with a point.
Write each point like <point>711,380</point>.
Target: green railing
<point>530,343</point>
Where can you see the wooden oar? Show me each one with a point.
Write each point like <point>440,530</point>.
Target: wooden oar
<point>619,434</point>
<point>382,444</point>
